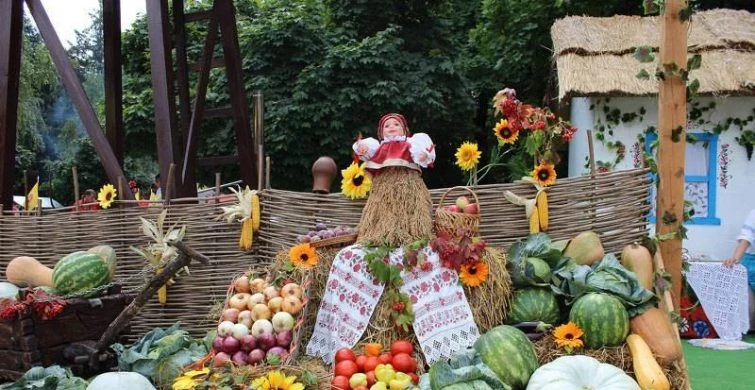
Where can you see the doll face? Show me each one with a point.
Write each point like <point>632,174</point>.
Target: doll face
<point>392,128</point>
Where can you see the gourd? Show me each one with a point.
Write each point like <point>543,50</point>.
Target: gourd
<point>656,329</point>
<point>585,248</point>
<point>120,380</point>
<point>580,372</point>
<point>649,374</point>
<point>637,259</point>
<point>27,271</point>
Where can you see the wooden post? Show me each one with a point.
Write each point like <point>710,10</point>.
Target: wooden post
<point>111,29</point>
<point>672,123</point>
<point>76,202</point>
<point>11,27</point>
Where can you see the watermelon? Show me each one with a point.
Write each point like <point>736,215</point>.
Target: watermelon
<point>509,353</point>
<point>603,318</point>
<point>532,271</point>
<point>79,272</point>
<point>534,304</point>
<point>108,254</point>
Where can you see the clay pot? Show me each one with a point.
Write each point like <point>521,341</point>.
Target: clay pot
<point>324,170</point>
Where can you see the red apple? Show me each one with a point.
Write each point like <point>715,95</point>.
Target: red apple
<point>454,208</point>
<point>462,202</point>
<point>472,208</point>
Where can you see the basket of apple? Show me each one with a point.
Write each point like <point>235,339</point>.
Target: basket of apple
<point>322,236</point>
<point>260,322</point>
<point>376,369</point>
<point>464,213</point>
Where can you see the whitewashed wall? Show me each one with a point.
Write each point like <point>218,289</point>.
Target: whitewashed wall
<point>732,202</point>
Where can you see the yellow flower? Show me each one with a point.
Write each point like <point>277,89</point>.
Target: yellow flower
<point>504,133</point>
<point>544,174</point>
<point>467,156</point>
<point>568,336</point>
<point>190,379</point>
<point>106,195</point>
<point>303,255</point>
<point>276,380</point>
<point>474,274</point>
<point>356,183</point>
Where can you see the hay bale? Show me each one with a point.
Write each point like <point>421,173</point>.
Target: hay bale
<point>490,301</point>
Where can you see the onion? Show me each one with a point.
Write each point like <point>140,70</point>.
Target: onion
<point>282,321</point>
<point>239,358</point>
<point>266,341</point>
<point>248,343</point>
<point>241,285</point>
<point>225,328</point>
<point>256,356</point>
<point>230,314</point>
<point>283,339</point>
<point>239,331</point>
<point>261,326</point>
<point>278,351</point>
<point>220,359</point>
<point>217,344</point>
<point>230,345</point>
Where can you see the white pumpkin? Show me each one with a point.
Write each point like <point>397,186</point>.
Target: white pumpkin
<point>120,380</point>
<point>580,372</point>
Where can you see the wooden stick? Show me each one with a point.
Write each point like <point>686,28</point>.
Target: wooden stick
<point>591,153</point>
<point>75,172</point>
<point>218,183</point>
<point>168,186</point>
<point>120,187</point>
<point>267,172</point>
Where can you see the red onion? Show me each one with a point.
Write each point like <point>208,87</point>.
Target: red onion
<point>278,351</point>
<point>248,343</point>
<point>256,356</point>
<point>283,339</point>
<point>217,344</point>
<point>266,341</point>
<point>239,358</point>
<point>230,345</point>
<point>220,359</point>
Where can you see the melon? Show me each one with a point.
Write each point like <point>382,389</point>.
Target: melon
<point>603,318</point>
<point>532,271</point>
<point>79,272</point>
<point>534,304</point>
<point>585,248</point>
<point>509,353</point>
<point>108,254</point>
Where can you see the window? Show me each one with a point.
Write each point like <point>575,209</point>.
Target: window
<point>699,176</point>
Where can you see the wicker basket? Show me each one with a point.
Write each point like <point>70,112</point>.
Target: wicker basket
<point>335,241</point>
<point>449,222</point>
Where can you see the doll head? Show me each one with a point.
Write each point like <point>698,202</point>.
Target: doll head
<point>392,125</point>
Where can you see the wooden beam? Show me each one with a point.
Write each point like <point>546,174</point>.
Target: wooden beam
<point>217,160</point>
<point>111,27</point>
<point>672,123</point>
<point>77,94</point>
<point>187,179</point>
<point>11,27</point>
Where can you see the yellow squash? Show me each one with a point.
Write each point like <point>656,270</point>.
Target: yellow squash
<point>648,372</point>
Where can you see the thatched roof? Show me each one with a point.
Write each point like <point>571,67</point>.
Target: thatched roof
<point>594,56</point>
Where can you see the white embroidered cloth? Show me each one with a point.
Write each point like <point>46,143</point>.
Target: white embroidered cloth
<point>723,295</point>
<point>443,321</point>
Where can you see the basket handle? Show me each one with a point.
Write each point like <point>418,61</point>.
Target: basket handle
<point>443,197</point>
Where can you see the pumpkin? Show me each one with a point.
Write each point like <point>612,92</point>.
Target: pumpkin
<point>637,259</point>
<point>649,374</point>
<point>656,329</point>
<point>585,248</point>
<point>580,372</point>
<point>120,380</point>
<point>27,271</point>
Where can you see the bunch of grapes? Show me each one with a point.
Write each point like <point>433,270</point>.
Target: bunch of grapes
<point>322,232</point>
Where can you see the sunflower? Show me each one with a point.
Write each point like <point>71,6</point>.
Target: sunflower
<point>356,183</point>
<point>568,336</point>
<point>474,274</point>
<point>303,255</point>
<point>467,156</point>
<point>190,379</point>
<point>276,380</point>
<point>544,174</point>
<point>106,196</point>
<point>505,133</point>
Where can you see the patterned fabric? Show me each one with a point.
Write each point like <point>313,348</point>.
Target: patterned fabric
<point>443,321</point>
<point>693,322</point>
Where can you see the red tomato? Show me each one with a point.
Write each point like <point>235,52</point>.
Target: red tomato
<point>346,368</point>
<point>371,378</point>
<point>371,363</point>
<point>340,383</point>
<point>385,358</point>
<point>403,363</point>
<point>361,359</point>
<point>345,354</point>
<point>400,346</point>
<point>415,378</point>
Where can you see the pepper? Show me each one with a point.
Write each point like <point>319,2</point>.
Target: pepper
<point>384,372</point>
<point>358,379</point>
<point>379,386</point>
<point>401,381</point>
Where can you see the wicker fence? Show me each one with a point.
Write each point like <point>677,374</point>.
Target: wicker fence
<point>613,204</point>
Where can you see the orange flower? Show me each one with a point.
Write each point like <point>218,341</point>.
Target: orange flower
<point>545,174</point>
<point>506,134</point>
<point>568,336</point>
<point>474,274</point>
<point>303,255</point>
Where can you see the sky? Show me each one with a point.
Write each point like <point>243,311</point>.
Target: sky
<point>70,15</point>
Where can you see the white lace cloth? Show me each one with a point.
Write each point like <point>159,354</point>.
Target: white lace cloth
<point>723,295</point>
<point>443,321</point>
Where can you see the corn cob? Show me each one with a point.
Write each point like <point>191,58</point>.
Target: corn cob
<point>162,292</point>
<point>247,230</point>
<point>542,208</point>
<point>535,221</point>
<point>255,211</point>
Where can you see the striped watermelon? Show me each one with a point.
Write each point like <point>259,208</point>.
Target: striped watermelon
<point>509,353</point>
<point>80,271</point>
<point>603,318</point>
<point>534,304</point>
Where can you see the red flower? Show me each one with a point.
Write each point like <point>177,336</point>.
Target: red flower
<point>399,306</point>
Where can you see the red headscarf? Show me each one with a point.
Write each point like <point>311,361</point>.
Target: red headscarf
<point>400,118</point>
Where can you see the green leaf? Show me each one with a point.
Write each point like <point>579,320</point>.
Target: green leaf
<point>694,62</point>
<point>643,75</point>
<point>693,87</point>
<point>676,134</point>
<point>644,54</point>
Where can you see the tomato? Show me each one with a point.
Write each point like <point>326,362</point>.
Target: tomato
<point>361,359</point>
<point>400,346</point>
<point>403,363</point>
<point>345,354</point>
<point>371,363</point>
<point>415,378</point>
<point>340,383</point>
<point>385,358</point>
<point>371,378</point>
<point>346,368</point>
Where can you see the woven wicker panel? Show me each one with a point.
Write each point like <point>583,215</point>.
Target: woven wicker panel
<point>613,204</point>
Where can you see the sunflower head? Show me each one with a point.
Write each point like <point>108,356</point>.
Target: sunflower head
<point>106,196</point>
<point>506,134</point>
<point>277,380</point>
<point>474,274</point>
<point>568,336</point>
<point>303,255</point>
<point>468,156</point>
<point>544,174</point>
<point>356,182</point>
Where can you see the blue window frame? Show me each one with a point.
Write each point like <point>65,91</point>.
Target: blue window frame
<point>702,183</point>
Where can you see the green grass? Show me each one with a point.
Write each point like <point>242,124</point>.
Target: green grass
<point>726,370</point>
